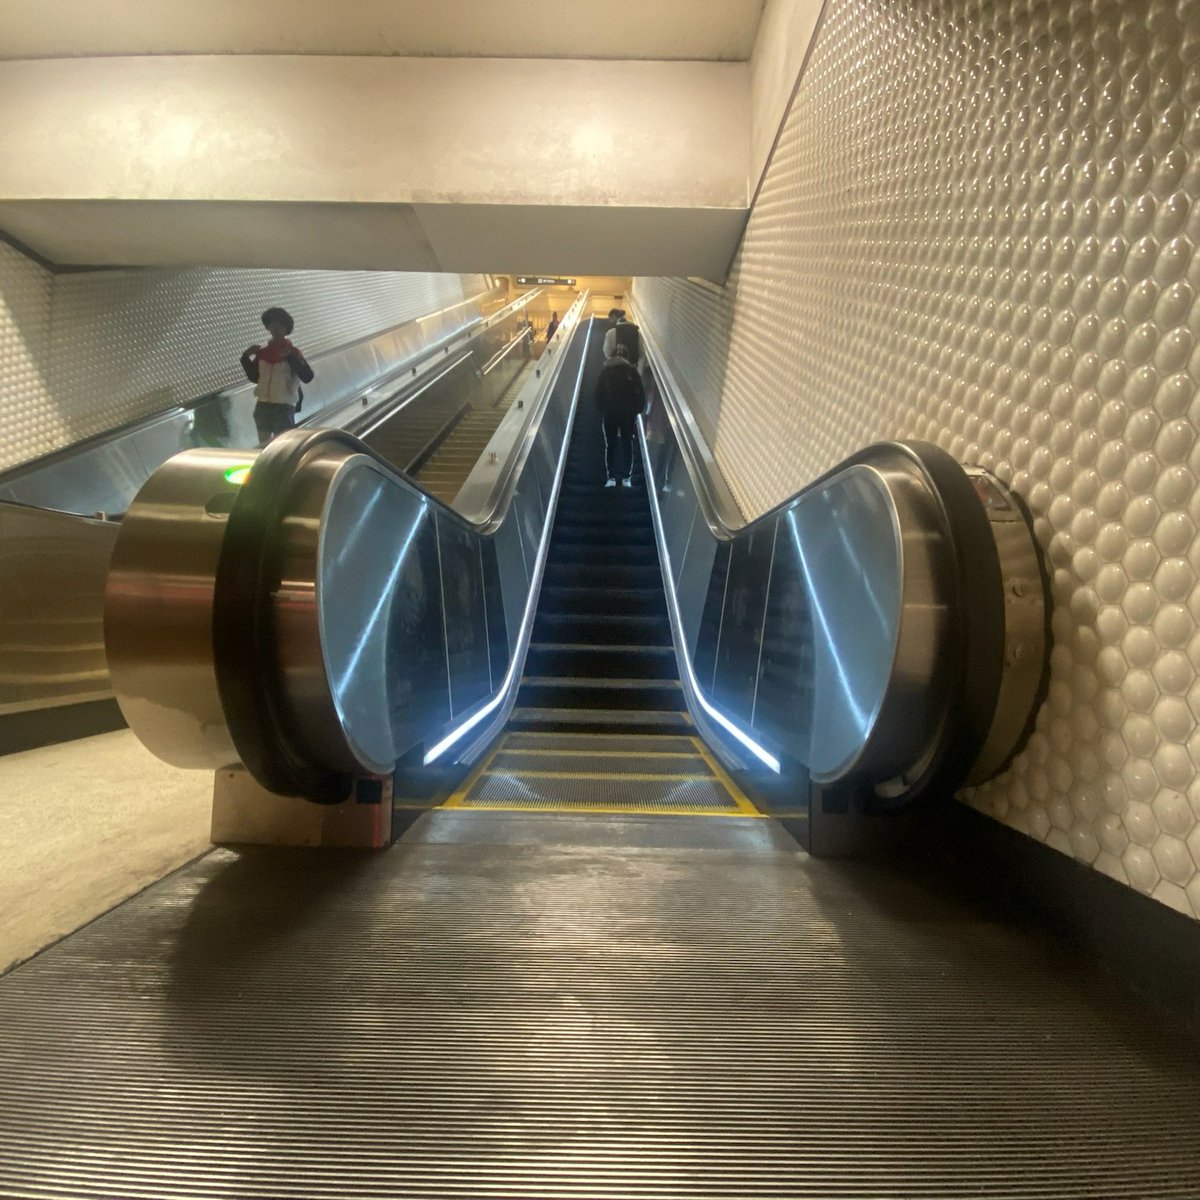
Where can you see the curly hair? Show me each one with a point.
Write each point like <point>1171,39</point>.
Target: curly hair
<point>278,314</point>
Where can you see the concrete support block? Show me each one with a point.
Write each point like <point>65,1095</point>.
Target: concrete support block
<point>244,812</point>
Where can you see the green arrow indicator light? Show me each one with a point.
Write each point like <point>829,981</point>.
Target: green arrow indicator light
<point>237,475</point>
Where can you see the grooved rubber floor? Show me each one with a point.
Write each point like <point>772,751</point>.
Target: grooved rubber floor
<point>595,1009</point>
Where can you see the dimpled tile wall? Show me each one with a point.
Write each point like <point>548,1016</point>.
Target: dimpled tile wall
<point>25,291</point>
<point>980,229</point>
<point>82,353</point>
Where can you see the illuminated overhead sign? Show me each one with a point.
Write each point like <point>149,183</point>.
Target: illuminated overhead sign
<point>543,281</point>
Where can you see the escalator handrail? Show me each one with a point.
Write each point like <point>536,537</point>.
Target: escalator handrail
<point>717,512</point>
<point>975,640</point>
<point>411,367</point>
<point>492,515</point>
<point>310,439</point>
<point>499,706</point>
<point>252,699</point>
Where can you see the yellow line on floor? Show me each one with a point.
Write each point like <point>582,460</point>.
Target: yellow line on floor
<point>456,800</point>
<point>551,807</point>
<point>739,797</point>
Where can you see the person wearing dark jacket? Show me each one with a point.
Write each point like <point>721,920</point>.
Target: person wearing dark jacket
<point>620,397</point>
<point>625,333</point>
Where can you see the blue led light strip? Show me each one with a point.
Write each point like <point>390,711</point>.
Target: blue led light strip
<point>681,650</point>
<point>516,665</point>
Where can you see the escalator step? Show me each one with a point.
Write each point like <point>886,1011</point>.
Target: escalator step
<point>625,630</point>
<point>621,575</point>
<point>599,720</point>
<point>592,659</point>
<point>577,691</point>
<point>614,551</point>
<point>583,601</point>
<point>641,745</point>
<point>534,762</point>
<point>612,535</point>
<point>587,491</point>
<point>606,535</point>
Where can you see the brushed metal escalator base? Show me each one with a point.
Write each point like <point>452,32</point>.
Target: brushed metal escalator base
<point>551,1006</point>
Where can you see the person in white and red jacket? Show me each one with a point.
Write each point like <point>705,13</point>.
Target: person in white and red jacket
<point>277,369</point>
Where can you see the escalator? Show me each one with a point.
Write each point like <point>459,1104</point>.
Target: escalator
<point>601,659</point>
<point>877,637</point>
<point>454,458</point>
<point>404,389</point>
<point>600,723</point>
<point>595,966</point>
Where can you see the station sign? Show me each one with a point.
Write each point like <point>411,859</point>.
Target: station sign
<point>543,281</point>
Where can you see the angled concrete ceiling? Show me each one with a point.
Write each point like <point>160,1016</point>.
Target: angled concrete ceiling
<point>397,164</point>
<point>454,135</point>
<point>712,30</point>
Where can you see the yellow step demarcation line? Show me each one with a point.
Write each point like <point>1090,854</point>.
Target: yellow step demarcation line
<point>739,797</point>
<point>649,775</point>
<point>742,806</point>
<point>601,810</point>
<point>603,753</point>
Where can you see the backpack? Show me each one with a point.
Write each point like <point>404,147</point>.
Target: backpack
<point>630,338</point>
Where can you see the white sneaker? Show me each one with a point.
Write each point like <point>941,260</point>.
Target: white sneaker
<point>611,483</point>
<point>627,483</point>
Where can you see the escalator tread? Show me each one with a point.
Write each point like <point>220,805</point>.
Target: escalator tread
<point>602,656</point>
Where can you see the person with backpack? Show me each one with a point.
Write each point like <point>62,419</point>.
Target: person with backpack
<point>624,333</point>
<point>620,397</point>
<point>277,370</point>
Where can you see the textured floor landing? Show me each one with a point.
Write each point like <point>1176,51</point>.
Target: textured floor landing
<point>515,1005</point>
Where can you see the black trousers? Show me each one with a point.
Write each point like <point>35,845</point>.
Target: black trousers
<point>618,444</point>
<point>271,419</point>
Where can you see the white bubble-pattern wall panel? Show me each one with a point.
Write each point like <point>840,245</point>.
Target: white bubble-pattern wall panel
<point>24,356</point>
<point>979,229</point>
<point>101,348</point>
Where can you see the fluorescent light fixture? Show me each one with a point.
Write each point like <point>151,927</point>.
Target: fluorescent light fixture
<point>535,587</point>
<point>721,719</point>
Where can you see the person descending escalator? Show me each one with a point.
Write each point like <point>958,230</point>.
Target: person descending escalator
<point>277,370</point>
<point>620,397</point>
